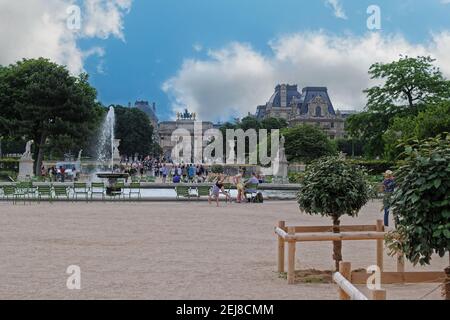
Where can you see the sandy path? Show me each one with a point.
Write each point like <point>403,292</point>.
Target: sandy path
<point>168,251</point>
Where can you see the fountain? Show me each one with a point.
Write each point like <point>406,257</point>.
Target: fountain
<point>108,151</point>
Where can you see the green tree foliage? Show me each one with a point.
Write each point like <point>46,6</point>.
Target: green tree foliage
<point>421,201</point>
<point>407,82</point>
<point>134,130</point>
<point>429,123</point>
<point>409,86</point>
<point>43,101</point>
<point>305,143</point>
<point>333,187</point>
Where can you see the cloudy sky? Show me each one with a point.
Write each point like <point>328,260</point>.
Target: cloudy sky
<point>222,58</point>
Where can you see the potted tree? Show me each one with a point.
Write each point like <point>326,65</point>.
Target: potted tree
<point>333,187</point>
<point>421,203</point>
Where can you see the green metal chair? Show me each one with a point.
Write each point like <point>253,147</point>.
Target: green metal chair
<point>61,191</point>
<point>45,191</point>
<point>80,188</point>
<point>183,191</point>
<point>203,191</point>
<point>121,192</point>
<point>135,188</point>
<point>9,192</point>
<point>98,188</point>
<point>151,179</point>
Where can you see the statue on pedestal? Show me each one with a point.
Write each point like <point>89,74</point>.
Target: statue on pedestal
<point>27,154</point>
<point>26,163</point>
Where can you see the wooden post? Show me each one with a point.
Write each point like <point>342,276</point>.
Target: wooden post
<point>380,245</point>
<point>345,268</point>
<point>281,225</point>
<point>378,294</point>
<point>400,263</point>
<point>291,257</point>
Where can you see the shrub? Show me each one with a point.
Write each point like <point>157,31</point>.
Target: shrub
<point>217,168</point>
<point>421,201</point>
<point>333,187</point>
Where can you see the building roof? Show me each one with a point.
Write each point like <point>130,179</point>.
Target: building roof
<point>150,111</point>
<point>291,93</point>
<point>310,93</point>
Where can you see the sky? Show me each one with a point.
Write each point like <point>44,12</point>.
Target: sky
<point>222,58</point>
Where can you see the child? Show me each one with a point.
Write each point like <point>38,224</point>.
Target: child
<point>217,189</point>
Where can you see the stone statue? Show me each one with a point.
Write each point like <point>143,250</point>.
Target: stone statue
<point>27,154</point>
<point>79,155</point>
<point>194,115</point>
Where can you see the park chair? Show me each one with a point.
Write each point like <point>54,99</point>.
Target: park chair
<point>80,188</point>
<point>135,188</point>
<point>203,191</point>
<point>9,192</point>
<point>183,191</point>
<point>45,191</point>
<point>119,193</point>
<point>251,190</point>
<point>61,191</point>
<point>151,179</point>
<point>98,188</point>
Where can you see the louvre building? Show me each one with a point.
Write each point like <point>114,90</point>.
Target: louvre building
<point>313,106</point>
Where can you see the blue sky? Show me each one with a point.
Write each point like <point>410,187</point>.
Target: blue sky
<point>222,58</point>
<point>160,34</point>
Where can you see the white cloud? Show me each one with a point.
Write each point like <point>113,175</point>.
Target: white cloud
<point>38,28</point>
<point>197,47</point>
<point>235,79</point>
<point>445,1</point>
<point>337,8</point>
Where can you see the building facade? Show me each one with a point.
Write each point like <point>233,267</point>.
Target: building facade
<point>185,121</point>
<point>313,106</point>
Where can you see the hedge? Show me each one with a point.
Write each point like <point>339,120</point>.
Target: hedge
<point>375,167</point>
<point>9,165</point>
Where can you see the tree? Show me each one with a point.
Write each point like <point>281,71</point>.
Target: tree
<point>433,121</point>
<point>249,123</point>
<point>273,124</point>
<point>421,201</point>
<point>332,187</point>
<point>134,130</point>
<point>42,101</point>
<point>305,143</point>
<point>409,86</point>
<point>408,81</point>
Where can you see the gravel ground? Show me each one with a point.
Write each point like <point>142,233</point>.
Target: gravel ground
<point>185,250</point>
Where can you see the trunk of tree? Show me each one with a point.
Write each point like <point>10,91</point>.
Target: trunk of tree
<point>337,245</point>
<point>40,155</point>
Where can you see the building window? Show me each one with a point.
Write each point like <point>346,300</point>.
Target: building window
<point>332,124</point>
<point>332,137</point>
<point>318,111</point>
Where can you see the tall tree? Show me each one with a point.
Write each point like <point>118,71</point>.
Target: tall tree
<point>409,85</point>
<point>135,131</point>
<point>42,101</point>
<point>305,143</point>
<point>407,82</point>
